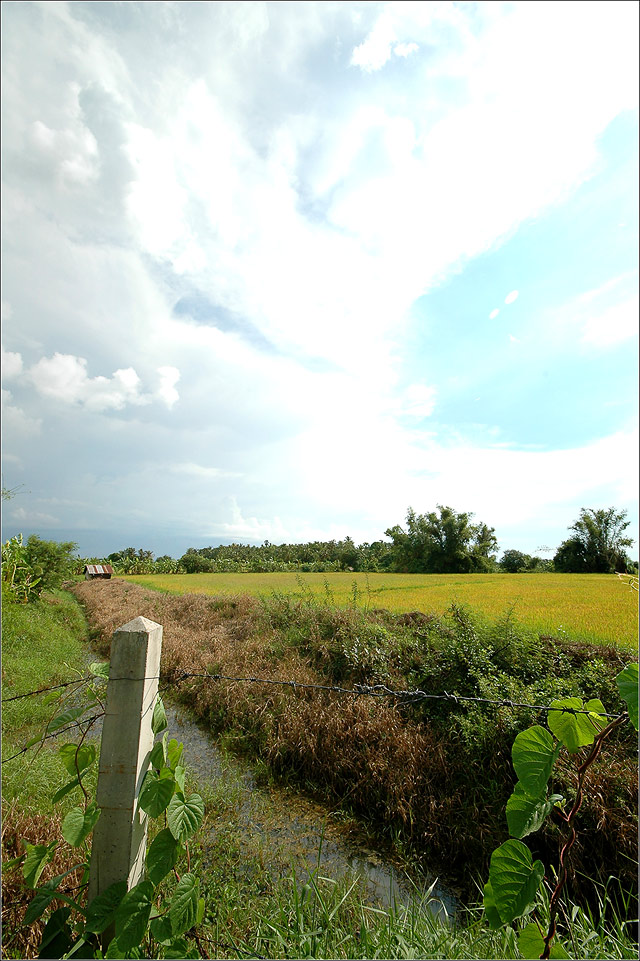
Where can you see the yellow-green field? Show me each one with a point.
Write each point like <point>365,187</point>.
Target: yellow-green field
<point>596,607</point>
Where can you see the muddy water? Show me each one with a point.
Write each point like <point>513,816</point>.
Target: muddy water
<point>294,834</point>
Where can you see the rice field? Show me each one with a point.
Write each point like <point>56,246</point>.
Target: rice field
<point>592,607</point>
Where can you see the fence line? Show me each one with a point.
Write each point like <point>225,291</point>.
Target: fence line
<point>359,690</point>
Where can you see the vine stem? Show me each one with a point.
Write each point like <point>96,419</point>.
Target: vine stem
<point>566,848</point>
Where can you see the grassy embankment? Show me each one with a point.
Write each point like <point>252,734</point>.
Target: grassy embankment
<point>432,776</point>
<point>590,607</point>
<point>248,912</point>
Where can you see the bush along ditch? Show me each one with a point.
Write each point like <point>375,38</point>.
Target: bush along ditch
<point>514,877</point>
<point>154,919</point>
<point>431,776</point>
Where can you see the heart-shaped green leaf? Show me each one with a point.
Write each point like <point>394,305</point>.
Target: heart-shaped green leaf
<point>184,815</point>
<point>77,757</point>
<point>101,911</point>
<point>490,911</point>
<point>530,942</point>
<point>78,824</point>
<point>183,909</point>
<point>526,814</point>
<point>627,681</point>
<point>533,756</point>
<point>38,856</point>
<point>132,915</point>
<point>155,794</point>
<point>159,719</point>
<point>514,880</point>
<point>162,855</point>
<point>574,730</point>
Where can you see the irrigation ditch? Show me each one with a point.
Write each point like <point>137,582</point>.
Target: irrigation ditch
<point>436,777</point>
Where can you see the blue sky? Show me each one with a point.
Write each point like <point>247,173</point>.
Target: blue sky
<point>281,270</point>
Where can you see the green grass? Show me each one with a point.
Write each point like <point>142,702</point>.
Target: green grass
<point>592,607</point>
<point>248,912</point>
<point>42,645</point>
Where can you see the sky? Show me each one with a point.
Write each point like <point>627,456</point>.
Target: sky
<point>282,270</point>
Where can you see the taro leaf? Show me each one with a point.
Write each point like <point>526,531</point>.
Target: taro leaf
<point>161,929</point>
<point>78,824</point>
<point>101,911</point>
<point>526,814</point>
<point>514,880</point>
<point>627,681</point>
<point>530,942</point>
<point>174,753</point>
<point>38,855</point>
<point>77,758</point>
<point>162,856</point>
<point>155,794</point>
<point>157,756</point>
<point>61,720</point>
<point>132,915</point>
<point>184,815</point>
<point>159,720</point>
<point>533,757</point>
<point>183,909</point>
<point>574,730</point>
<point>490,911</point>
<point>56,937</point>
<point>100,669</point>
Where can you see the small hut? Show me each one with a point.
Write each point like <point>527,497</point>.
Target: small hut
<point>91,571</point>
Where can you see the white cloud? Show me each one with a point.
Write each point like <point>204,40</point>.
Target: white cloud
<point>511,297</point>
<point>16,424</point>
<point>418,400</point>
<point>33,518</point>
<point>494,313</point>
<point>191,469</point>
<point>613,326</point>
<point>11,364</point>
<point>64,377</point>
<point>169,377</point>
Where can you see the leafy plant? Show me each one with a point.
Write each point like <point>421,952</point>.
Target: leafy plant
<point>20,579</point>
<point>514,877</point>
<point>149,920</point>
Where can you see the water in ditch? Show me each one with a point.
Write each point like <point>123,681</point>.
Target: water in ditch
<point>295,835</point>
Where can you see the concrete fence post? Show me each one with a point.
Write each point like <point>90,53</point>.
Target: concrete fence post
<point>120,835</point>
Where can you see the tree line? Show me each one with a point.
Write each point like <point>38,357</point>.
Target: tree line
<point>443,541</point>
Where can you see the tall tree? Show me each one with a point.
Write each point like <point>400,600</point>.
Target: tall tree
<point>598,543</point>
<point>444,543</point>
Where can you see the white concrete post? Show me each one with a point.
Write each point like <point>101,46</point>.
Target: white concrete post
<point>120,835</point>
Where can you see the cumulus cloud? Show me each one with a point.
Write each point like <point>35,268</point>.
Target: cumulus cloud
<point>64,377</point>
<point>169,377</point>
<point>11,364</point>
<point>512,297</point>
<point>16,424</point>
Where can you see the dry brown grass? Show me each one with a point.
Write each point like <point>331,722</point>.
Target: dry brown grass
<point>36,829</point>
<point>400,773</point>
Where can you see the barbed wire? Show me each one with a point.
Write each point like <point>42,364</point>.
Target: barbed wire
<point>45,690</point>
<point>358,690</point>
<point>79,723</point>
